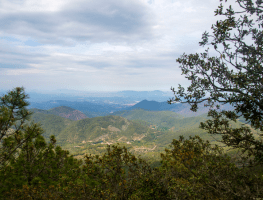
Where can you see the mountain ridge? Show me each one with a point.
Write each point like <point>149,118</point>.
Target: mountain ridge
<point>180,108</point>
<point>63,111</point>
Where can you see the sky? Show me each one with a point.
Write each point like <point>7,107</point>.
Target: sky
<point>99,45</point>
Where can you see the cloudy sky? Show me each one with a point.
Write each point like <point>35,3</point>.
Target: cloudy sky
<point>99,45</point>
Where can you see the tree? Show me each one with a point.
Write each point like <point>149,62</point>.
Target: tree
<point>14,129</point>
<point>27,161</point>
<point>235,77</point>
<point>195,169</point>
<point>120,175</point>
<point>39,164</point>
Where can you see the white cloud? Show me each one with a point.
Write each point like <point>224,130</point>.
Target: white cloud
<point>112,44</point>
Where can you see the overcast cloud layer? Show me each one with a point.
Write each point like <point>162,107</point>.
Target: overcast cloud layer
<point>102,45</point>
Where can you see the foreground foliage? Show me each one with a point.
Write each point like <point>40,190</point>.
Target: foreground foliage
<point>190,169</point>
<point>234,77</point>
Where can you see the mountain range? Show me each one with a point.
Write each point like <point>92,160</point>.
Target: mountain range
<point>88,108</point>
<point>146,127</point>
<point>121,97</point>
<point>102,109</point>
<point>179,108</point>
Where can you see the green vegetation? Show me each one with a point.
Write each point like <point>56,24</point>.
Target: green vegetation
<point>31,168</point>
<point>235,77</point>
<point>52,124</point>
<point>63,111</point>
<point>92,135</point>
<point>188,169</point>
<point>26,158</point>
<point>162,118</point>
<point>144,138</point>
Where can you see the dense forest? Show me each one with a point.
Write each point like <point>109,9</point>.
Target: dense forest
<point>35,164</point>
<point>191,168</point>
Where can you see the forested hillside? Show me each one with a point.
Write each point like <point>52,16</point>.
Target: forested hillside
<point>145,133</point>
<point>53,124</point>
<point>31,167</point>
<point>211,156</point>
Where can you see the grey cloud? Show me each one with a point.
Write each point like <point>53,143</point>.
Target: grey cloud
<point>95,63</point>
<point>119,18</point>
<point>14,57</point>
<point>110,20</point>
<point>146,57</point>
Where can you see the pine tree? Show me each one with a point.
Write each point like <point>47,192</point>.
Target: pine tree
<point>14,126</point>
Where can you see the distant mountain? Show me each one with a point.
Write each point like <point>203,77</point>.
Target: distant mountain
<point>88,108</point>
<point>144,93</point>
<point>180,108</point>
<point>63,111</point>
<point>183,109</point>
<point>153,106</point>
<point>121,96</point>
<point>155,95</point>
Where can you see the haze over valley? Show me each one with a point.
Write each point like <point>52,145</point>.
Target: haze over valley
<point>147,127</point>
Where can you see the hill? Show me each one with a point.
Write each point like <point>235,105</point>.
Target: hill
<point>92,135</point>
<point>161,119</point>
<point>107,129</point>
<point>63,111</point>
<point>154,106</point>
<point>180,108</point>
<point>52,124</point>
<point>142,132</point>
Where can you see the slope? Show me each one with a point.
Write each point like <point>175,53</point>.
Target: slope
<point>51,124</point>
<point>63,111</point>
<point>161,119</point>
<point>180,108</point>
<point>107,129</point>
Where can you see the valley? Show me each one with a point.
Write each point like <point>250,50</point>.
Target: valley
<point>146,128</point>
